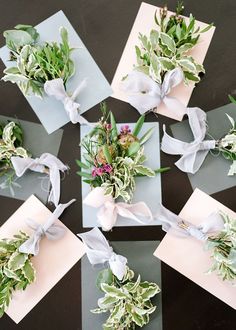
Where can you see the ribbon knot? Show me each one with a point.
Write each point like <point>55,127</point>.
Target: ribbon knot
<point>145,94</point>
<point>46,163</point>
<point>48,229</point>
<point>195,152</point>
<point>56,88</point>
<point>109,210</point>
<point>174,224</point>
<point>99,252</point>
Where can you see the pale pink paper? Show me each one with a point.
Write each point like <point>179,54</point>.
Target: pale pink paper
<point>144,23</point>
<point>187,255</point>
<point>55,258</point>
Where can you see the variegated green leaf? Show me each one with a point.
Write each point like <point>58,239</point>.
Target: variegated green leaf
<point>168,41</point>
<point>17,261</point>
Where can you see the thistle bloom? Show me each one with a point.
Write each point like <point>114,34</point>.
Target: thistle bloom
<point>125,130</point>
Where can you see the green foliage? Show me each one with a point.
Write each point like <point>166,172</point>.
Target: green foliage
<point>113,159</point>
<point>223,246</point>
<point>227,146</point>
<point>11,144</point>
<point>37,63</point>
<point>16,269</point>
<point>128,301</point>
<point>168,47</point>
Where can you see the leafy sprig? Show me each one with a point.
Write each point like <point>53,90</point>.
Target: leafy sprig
<point>16,269</point>
<point>168,47</point>
<point>37,63</point>
<point>128,301</point>
<point>223,247</point>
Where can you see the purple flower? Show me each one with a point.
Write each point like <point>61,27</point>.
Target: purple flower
<point>125,130</point>
<point>94,172</point>
<point>99,171</point>
<point>107,168</point>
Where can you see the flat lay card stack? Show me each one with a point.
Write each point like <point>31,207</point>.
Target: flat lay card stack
<point>54,260</point>
<point>144,23</point>
<point>51,112</point>
<point>147,190</point>
<point>187,255</point>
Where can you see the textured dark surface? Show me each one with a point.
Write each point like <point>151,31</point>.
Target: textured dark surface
<point>104,26</point>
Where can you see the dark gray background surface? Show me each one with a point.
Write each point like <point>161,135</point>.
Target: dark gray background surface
<point>104,26</point>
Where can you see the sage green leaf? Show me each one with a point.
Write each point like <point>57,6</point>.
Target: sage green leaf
<point>113,291</point>
<point>10,274</point>
<point>144,170</point>
<point>150,292</point>
<point>104,276</point>
<point>191,76</point>
<point>107,302</point>
<point>138,126</point>
<point>98,311</point>
<point>207,28</point>
<point>113,127</point>
<point>84,174</point>
<point>81,164</point>
<point>133,148</point>
<point>18,37</point>
<point>28,271</point>
<point>14,78</point>
<point>166,63</point>
<point>146,136</point>
<point>184,48</point>
<point>17,261</point>
<point>138,319</point>
<point>107,154</point>
<point>154,38</point>
<point>232,99</point>
<point>187,65</point>
<point>168,41</point>
<point>13,70</point>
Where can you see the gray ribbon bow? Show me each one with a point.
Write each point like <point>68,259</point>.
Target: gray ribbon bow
<point>48,229</point>
<point>145,94</point>
<point>173,223</point>
<point>195,152</point>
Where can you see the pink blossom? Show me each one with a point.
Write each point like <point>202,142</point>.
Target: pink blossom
<point>94,172</point>
<point>107,168</point>
<point>99,171</point>
<point>108,126</point>
<point>125,130</point>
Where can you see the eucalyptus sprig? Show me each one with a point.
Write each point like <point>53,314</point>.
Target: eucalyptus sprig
<point>223,247</point>
<point>128,301</point>
<point>113,159</point>
<point>168,46</point>
<point>36,62</point>
<point>16,269</point>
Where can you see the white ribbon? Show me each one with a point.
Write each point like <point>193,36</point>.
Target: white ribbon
<point>195,152</point>
<point>44,164</point>
<point>48,229</point>
<point>56,88</point>
<point>99,252</point>
<point>109,209</point>
<point>173,223</point>
<point>145,94</point>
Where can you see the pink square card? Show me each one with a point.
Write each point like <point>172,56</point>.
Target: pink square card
<point>187,255</point>
<point>144,23</point>
<point>54,260</point>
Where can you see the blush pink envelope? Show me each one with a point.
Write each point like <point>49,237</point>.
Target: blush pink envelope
<point>187,255</point>
<point>144,23</point>
<point>54,260</point>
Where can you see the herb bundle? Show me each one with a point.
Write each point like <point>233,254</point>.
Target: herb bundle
<point>37,63</point>
<point>16,269</point>
<point>113,158</point>
<point>223,246</point>
<point>168,47</point>
<point>127,300</point>
<point>11,144</point>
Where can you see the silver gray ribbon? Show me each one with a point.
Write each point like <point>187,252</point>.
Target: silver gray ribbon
<point>173,223</point>
<point>48,229</point>
<point>46,163</point>
<point>145,94</point>
<point>195,152</point>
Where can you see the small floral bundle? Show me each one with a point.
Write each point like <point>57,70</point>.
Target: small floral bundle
<point>113,158</point>
<point>194,153</point>
<point>223,247</point>
<point>127,300</point>
<point>42,67</point>
<point>164,61</point>
<point>11,145</point>
<point>217,232</point>
<point>16,268</point>
<point>168,47</point>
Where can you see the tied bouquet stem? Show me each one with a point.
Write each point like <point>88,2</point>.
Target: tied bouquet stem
<point>112,159</point>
